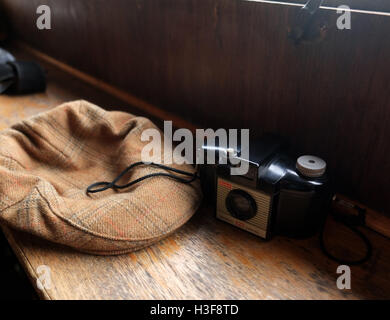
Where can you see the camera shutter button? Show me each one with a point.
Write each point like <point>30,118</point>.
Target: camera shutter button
<point>311,166</point>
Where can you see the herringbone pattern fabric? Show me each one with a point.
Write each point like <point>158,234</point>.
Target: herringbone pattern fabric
<point>48,161</point>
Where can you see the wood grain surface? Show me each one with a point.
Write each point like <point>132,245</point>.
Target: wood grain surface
<point>206,259</point>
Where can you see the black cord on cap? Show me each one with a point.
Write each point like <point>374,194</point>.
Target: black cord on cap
<point>102,186</point>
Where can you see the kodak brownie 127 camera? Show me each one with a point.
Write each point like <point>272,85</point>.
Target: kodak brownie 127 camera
<point>280,194</point>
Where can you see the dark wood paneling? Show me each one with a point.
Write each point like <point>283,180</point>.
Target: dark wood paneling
<point>228,63</point>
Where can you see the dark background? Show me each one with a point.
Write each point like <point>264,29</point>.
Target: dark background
<point>14,282</point>
<point>229,63</point>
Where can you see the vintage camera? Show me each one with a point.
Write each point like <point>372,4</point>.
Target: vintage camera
<point>280,194</point>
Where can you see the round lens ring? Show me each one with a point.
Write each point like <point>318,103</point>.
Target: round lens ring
<point>241,204</point>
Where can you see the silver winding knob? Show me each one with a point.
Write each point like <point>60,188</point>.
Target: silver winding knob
<point>311,166</point>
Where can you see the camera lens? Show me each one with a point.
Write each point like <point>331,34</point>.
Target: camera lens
<point>241,205</point>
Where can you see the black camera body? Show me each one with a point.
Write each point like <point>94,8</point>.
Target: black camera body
<point>279,195</point>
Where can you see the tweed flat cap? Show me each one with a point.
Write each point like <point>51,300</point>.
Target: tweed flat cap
<point>48,161</point>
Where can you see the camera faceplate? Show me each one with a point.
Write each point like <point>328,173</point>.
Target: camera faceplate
<point>259,223</point>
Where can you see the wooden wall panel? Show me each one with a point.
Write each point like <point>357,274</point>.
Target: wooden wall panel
<point>228,63</point>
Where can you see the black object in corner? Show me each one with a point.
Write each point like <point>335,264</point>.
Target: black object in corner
<point>20,77</point>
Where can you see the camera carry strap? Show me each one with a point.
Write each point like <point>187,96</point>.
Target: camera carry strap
<point>351,222</point>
